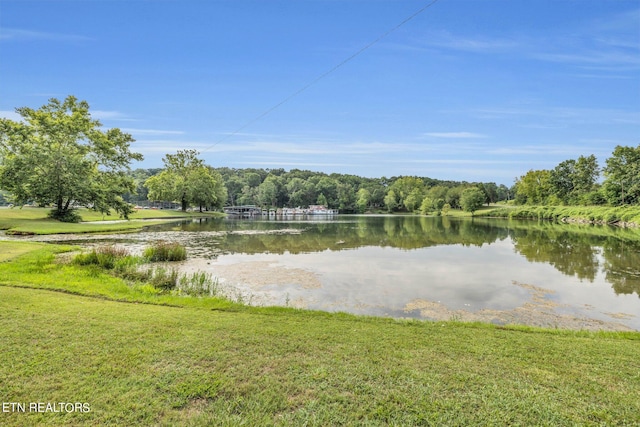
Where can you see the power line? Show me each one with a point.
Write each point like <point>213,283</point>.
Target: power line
<point>322,76</point>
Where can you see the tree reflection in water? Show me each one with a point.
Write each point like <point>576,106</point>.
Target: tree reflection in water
<point>580,251</point>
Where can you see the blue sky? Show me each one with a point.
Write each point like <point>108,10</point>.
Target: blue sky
<point>476,90</point>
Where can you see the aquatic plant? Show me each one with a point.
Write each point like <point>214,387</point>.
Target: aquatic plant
<point>104,256</point>
<point>162,278</point>
<point>165,251</point>
<point>198,284</point>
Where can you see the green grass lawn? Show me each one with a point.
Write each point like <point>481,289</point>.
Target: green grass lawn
<point>29,220</point>
<point>204,361</point>
<point>9,250</point>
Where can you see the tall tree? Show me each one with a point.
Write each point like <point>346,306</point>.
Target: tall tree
<point>59,155</point>
<point>268,191</point>
<point>622,176</point>
<point>206,188</point>
<point>453,196</point>
<point>328,187</point>
<point>534,187</point>
<point>187,180</point>
<point>491,191</point>
<point>572,180</point>
<point>561,180</point>
<point>409,191</point>
<point>363,198</point>
<point>391,201</point>
<point>472,199</point>
<point>585,176</point>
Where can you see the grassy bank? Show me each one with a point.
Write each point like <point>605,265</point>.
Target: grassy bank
<point>205,361</point>
<point>629,215</point>
<point>30,220</point>
<point>40,268</point>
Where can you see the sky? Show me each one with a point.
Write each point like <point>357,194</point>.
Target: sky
<point>474,90</point>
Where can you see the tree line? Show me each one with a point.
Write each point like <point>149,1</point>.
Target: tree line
<point>275,188</point>
<point>577,181</point>
<point>59,156</point>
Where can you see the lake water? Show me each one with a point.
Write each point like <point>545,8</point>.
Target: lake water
<point>438,268</point>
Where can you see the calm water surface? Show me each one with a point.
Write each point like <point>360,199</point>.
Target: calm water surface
<point>424,267</point>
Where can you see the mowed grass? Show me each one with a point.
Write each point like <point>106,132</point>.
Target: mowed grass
<point>153,365</point>
<point>9,249</point>
<point>201,362</point>
<point>29,220</point>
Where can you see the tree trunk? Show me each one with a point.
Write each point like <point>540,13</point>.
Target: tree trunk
<point>59,206</point>
<point>183,202</point>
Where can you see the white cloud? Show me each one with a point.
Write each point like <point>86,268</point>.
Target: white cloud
<point>301,164</point>
<point>16,34</point>
<point>609,60</point>
<point>457,135</point>
<point>163,146</point>
<point>111,115</point>
<point>152,131</point>
<point>555,116</point>
<point>477,44</point>
<point>464,161</point>
<point>318,147</point>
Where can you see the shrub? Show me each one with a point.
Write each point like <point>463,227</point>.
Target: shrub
<point>67,216</point>
<point>103,256</point>
<point>166,251</point>
<point>163,279</point>
<point>128,268</point>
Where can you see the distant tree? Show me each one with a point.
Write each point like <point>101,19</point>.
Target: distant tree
<point>437,192</point>
<point>472,199</point>
<point>188,180</point>
<point>252,179</point>
<point>503,193</point>
<point>296,189</point>
<point>585,176</point>
<point>329,188</point>
<point>453,196</point>
<point>322,200</point>
<point>445,209</point>
<point>622,176</point>
<point>206,189</point>
<point>139,176</point>
<point>561,180</point>
<point>572,180</point>
<point>234,185</point>
<point>59,155</point>
<point>346,196</point>
<point>533,188</point>
<point>376,190</point>
<point>426,206</point>
<point>491,191</point>
<point>391,201</point>
<point>413,200</point>
<point>268,191</point>
<point>362,202</point>
<point>248,195</point>
<point>408,187</point>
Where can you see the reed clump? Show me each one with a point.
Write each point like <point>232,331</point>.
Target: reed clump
<point>106,257</point>
<point>165,251</point>
<point>122,264</point>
